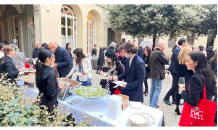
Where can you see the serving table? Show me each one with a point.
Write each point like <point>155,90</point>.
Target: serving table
<point>100,108</point>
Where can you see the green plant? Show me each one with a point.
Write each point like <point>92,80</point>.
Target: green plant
<point>18,110</point>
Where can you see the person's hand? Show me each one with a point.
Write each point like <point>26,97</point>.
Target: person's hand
<point>181,88</point>
<point>124,85</point>
<point>115,78</point>
<point>101,73</point>
<point>61,85</point>
<point>55,65</point>
<point>22,69</point>
<point>146,65</point>
<point>17,67</point>
<point>67,76</point>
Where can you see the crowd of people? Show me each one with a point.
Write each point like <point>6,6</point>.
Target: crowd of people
<point>127,62</point>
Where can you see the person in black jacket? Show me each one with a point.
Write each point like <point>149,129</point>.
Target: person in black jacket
<point>94,51</point>
<point>46,81</point>
<point>7,66</point>
<point>182,72</point>
<point>210,53</point>
<point>147,53</point>
<point>113,67</point>
<point>193,90</point>
<point>101,59</point>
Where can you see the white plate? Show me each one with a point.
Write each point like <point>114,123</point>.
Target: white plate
<point>21,73</point>
<point>76,73</point>
<point>151,118</point>
<point>138,118</point>
<point>119,83</point>
<point>131,124</point>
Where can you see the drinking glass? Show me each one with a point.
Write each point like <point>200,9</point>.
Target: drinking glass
<point>181,82</point>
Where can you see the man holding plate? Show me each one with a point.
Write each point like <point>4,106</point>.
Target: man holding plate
<point>134,73</point>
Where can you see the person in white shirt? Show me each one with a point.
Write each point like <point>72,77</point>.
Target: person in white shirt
<point>1,50</point>
<point>82,65</point>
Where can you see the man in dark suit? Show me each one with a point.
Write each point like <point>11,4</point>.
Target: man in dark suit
<point>94,50</point>
<point>173,70</point>
<point>63,59</point>
<point>134,73</point>
<point>156,64</point>
<point>140,51</point>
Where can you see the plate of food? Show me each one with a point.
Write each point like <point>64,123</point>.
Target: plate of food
<point>91,92</point>
<point>28,78</point>
<point>30,70</point>
<point>73,84</point>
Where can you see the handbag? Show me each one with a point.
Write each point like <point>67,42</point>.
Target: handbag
<point>201,115</point>
<point>25,64</point>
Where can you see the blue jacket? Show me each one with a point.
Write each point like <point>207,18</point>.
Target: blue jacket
<point>134,76</point>
<point>174,61</point>
<point>140,52</point>
<point>64,61</point>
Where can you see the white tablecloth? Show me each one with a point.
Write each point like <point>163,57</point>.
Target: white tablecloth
<point>99,107</point>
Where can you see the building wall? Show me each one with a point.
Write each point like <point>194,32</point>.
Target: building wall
<point>51,24</point>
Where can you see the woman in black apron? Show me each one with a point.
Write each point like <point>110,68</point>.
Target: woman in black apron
<point>111,67</point>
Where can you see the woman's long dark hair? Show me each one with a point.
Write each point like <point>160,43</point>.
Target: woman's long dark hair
<point>80,55</point>
<point>111,54</point>
<point>67,46</point>
<point>43,55</point>
<point>204,69</point>
<point>148,50</point>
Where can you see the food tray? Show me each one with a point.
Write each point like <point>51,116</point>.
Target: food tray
<point>94,91</point>
<point>73,84</point>
<point>29,70</point>
<point>28,78</point>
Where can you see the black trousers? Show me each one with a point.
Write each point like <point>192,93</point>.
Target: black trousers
<point>146,83</point>
<point>172,92</point>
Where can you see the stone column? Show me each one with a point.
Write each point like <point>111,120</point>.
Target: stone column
<point>37,22</point>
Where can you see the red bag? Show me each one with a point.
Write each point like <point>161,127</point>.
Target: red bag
<point>26,65</point>
<point>201,115</point>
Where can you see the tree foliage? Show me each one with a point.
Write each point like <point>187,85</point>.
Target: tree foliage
<point>208,25</point>
<point>155,20</point>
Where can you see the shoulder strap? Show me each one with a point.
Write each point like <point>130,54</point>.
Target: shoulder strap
<point>204,89</point>
<point>19,59</point>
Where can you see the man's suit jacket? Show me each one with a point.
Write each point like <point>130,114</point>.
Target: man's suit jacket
<point>134,76</point>
<point>174,61</point>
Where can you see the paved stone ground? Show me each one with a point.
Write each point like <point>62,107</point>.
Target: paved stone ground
<point>171,120</point>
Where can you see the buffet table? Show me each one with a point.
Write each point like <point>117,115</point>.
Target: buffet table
<point>96,107</point>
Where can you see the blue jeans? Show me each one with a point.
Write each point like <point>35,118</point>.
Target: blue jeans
<point>156,85</point>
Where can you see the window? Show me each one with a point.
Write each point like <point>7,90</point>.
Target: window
<point>91,32</point>
<point>68,26</point>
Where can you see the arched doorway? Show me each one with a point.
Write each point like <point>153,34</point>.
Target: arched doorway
<point>31,28</point>
<point>68,26</point>
<point>91,32</point>
<point>13,31</point>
